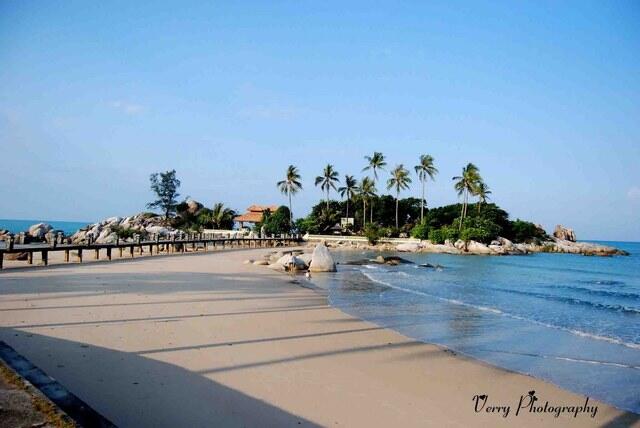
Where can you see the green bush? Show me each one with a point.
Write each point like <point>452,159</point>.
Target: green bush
<point>277,222</point>
<point>436,236</point>
<point>475,234</point>
<point>388,232</point>
<point>372,232</point>
<point>524,231</point>
<point>420,231</point>
<point>450,232</point>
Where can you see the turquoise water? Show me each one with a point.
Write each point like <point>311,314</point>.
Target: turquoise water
<point>569,319</point>
<point>17,226</point>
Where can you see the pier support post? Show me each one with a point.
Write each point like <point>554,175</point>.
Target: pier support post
<point>66,256</point>
<point>96,254</point>
<point>109,253</point>
<point>45,257</point>
<point>131,251</point>
<point>80,255</point>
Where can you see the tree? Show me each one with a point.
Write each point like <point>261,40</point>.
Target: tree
<point>425,169</point>
<point>349,189</point>
<point>328,180</point>
<point>399,181</point>
<point>165,185</point>
<point>367,190</point>
<point>465,185</point>
<point>276,222</point>
<point>375,163</point>
<point>482,192</point>
<point>221,216</point>
<point>290,186</point>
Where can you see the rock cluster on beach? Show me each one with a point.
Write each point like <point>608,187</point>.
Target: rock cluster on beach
<point>500,246</point>
<point>320,260</point>
<point>106,231</point>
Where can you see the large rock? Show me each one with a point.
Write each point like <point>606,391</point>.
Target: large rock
<point>289,263</point>
<point>478,248</point>
<point>39,230</point>
<point>158,230</point>
<point>564,233</point>
<point>321,260</point>
<point>409,247</point>
<point>193,206</point>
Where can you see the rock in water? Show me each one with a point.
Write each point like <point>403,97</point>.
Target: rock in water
<point>321,260</point>
<point>39,230</point>
<point>564,233</point>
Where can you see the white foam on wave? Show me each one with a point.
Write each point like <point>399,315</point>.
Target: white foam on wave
<point>506,314</point>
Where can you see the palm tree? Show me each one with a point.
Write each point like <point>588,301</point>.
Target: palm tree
<point>375,163</point>
<point>328,180</point>
<point>349,189</point>
<point>425,169</point>
<point>221,216</point>
<point>290,186</point>
<point>399,180</point>
<point>367,190</point>
<point>466,184</point>
<point>482,192</point>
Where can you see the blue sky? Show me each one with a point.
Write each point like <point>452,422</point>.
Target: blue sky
<point>544,97</point>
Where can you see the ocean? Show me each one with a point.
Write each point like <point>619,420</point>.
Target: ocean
<point>568,319</point>
<point>17,226</point>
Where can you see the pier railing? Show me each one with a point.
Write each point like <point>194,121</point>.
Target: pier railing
<point>175,244</point>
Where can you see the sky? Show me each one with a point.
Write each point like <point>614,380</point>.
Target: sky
<point>544,97</point>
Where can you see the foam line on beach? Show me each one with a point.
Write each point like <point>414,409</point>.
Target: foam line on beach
<point>506,314</point>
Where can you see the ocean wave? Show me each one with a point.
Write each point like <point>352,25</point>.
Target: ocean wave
<point>573,301</point>
<point>496,311</point>
<point>598,291</point>
<point>600,282</point>
<point>563,358</point>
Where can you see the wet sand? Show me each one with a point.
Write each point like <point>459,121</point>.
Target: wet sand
<point>205,340</point>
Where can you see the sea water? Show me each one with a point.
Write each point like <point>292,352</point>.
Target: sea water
<point>17,226</point>
<point>568,319</point>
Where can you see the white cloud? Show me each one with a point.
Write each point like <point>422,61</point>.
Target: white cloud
<point>127,108</point>
<point>634,193</point>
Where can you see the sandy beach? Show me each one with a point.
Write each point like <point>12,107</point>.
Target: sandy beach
<point>205,340</point>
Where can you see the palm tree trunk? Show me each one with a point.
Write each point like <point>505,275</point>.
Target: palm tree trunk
<point>364,212</point>
<point>327,200</point>
<point>422,205</point>
<point>347,207</point>
<point>290,212</point>
<point>462,210</point>
<point>397,196</point>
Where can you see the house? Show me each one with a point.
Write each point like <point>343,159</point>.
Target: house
<point>254,214</point>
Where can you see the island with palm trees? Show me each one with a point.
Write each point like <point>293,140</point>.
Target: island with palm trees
<point>468,227</point>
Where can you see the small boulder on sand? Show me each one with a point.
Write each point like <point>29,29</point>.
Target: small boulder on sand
<point>321,260</point>
<point>39,230</point>
<point>289,263</point>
